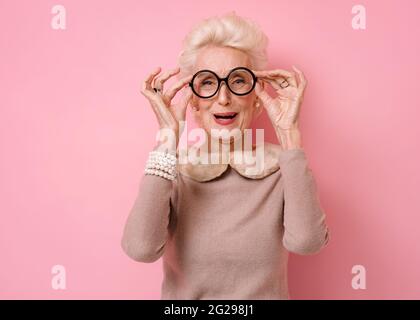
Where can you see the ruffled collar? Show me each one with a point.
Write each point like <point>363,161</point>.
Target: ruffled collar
<point>259,163</point>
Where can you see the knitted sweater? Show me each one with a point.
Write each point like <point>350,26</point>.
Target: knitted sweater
<point>223,234</point>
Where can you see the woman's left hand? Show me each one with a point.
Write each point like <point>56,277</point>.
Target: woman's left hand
<point>283,110</point>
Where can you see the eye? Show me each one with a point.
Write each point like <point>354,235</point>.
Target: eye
<point>238,80</point>
<point>206,82</point>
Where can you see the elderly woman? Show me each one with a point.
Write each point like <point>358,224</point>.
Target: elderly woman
<point>224,232</point>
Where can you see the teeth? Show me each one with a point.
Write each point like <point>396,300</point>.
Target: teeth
<point>225,117</point>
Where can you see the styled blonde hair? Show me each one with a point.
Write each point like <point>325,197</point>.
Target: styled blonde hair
<point>229,30</point>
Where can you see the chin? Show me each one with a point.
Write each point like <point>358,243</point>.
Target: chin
<point>234,133</point>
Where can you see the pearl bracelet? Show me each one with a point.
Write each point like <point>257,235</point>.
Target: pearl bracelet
<point>164,168</point>
<point>161,164</point>
<point>159,173</point>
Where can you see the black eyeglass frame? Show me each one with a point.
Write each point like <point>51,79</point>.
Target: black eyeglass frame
<point>220,80</point>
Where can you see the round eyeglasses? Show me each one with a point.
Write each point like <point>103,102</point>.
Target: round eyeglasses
<point>206,83</point>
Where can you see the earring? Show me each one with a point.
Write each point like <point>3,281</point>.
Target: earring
<point>257,104</point>
<point>195,108</point>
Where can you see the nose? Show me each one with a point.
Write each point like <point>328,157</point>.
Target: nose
<point>224,94</point>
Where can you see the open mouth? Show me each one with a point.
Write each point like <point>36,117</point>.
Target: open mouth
<point>225,115</point>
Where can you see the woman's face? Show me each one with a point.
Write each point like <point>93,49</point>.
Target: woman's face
<point>222,60</point>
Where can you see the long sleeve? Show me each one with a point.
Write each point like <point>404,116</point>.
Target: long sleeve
<point>146,229</point>
<point>305,230</point>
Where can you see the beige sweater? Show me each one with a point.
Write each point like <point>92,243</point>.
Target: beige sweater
<point>223,234</point>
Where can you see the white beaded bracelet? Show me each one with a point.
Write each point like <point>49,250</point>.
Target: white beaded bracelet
<point>165,168</point>
<point>161,153</point>
<point>161,164</point>
<point>160,173</point>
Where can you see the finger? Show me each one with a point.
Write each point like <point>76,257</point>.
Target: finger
<point>181,108</point>
<point>262,94</point>
<point>292,80</point>
<point>159,108</point>
<point>279,84</point>
<point>146,84</point>
<point>276,72</point>
<point>295,76</point>
<point>273,83</point>
<point>270,72</point>
<point>159,81</point>
<point>283,94</point>
<point>302,80</point>
<point>170,94</point>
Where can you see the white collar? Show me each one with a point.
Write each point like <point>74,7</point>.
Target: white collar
<point>206,172</point>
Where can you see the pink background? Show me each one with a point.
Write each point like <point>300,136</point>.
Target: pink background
<point>75,133</point>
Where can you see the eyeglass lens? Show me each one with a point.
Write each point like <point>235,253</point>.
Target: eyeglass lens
<point>240,82</point>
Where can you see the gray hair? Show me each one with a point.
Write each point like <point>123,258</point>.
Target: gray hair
<point>229,30</point>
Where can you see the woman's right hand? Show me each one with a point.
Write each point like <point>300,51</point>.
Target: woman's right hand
<point>168,115</point>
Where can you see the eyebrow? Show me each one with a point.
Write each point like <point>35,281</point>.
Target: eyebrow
<point>218,73</point>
